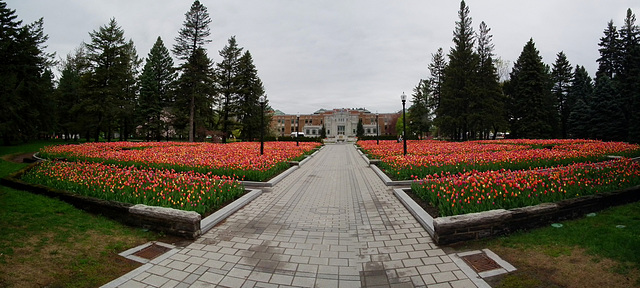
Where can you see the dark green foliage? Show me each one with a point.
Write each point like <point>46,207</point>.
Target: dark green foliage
<point>580,94</point>
<point>459,100</point>
<point>436,69</point>
<point>70,94</point>
<point>629,78</point>
<point>250,89</point>
<point>194,33</point>
<point>110,98</point>
<point>359,129</point>
<point>195,96</point>
<point>420,115</point>
<point>607,122</point>
<point>609,61</point>
<point>25,80</point>
<point>156,92</point>
<point>532,103</point>
<point>189,48</point>
<point>490,111</point>
<point>561,76</point>
<point>228,85</point>
<point>323,132</point>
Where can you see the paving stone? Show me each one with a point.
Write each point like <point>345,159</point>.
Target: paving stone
<point>330,223</point>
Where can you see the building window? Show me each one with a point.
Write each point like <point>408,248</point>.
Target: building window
<point>340,130</point>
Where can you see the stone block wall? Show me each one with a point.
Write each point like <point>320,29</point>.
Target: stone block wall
<point>473,226</point>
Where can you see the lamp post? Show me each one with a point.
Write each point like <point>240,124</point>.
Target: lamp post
<point>403,97</point>
<point>377,130</point>
<point>262,101</point>
<point>297,126</point>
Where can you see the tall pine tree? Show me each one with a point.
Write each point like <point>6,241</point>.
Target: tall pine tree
<point>629,79</point>
<point>459,99</point>
<point>561,76</point>
<point>491,101</point>
<point>189,47</point>
<point>533,109</point>
<point>26,85</point>
<point>578,103</point>
<point>250,89</point>
<point>228,88</point>
<point>110,89</point>
<point>156,91</point>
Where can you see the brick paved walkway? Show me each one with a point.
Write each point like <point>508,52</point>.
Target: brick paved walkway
<point>331,223</point>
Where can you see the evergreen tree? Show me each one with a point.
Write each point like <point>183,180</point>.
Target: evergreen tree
<point>190,47</point>
<point>70,94</point>
<point>196,90</point>
<point>581,90</point>
<point>561,76</point>
<point>419,112</point>
<point>227,79</point>
<point>629,79</point>
<point>194,33</point>
<point>250,89</point>
<point>26,85</point>
<point>459,99</point>
<point>436,69</point>
<point>156,92</point>
<point>359,129</point>
<point>607,122</point>
<point>113,63</point>
<point>492,115</point>
<point>532,108</point>
<point>610,52</point>
<point>580,120</point>
<point>323,132</point>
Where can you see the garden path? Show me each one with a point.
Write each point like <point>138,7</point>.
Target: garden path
<point>331,223</point>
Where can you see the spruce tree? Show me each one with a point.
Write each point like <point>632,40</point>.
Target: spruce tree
<point>492,115</point>
<point>607,122</point>
<point>26,85</point>
<point>156,91</point>
<point>459,99</point>
<point>190,47</point>
<point>250,89</point>
<point>69,95</point>
<point>420,115</point>
<point>629,79</point>
<point>610,52</point>
<point>436,70</point>
<point>581,90</point>
<point>196,90</point>
<point>532,108</point>
<point>113,62</point>
<point>227,80</point>
<point>561,76</point>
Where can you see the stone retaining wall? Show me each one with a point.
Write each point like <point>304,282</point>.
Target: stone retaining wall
<point>447,230</point>
<point>167,220</point>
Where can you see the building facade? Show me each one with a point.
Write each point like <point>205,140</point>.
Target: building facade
<point>339,124</point>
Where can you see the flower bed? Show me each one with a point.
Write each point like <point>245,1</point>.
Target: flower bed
<point>429,157</point>
<point>190,191</point>
<point>503,189</point>
<point>240,160</point>
<point>466,177</point>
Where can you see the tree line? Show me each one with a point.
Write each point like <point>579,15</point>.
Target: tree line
<point>465,98</point>
<point>105,93</point>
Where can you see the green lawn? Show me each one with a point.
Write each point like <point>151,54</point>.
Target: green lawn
<point>47,242</point>
<point>570,255</point>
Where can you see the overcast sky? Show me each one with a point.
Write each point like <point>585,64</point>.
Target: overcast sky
<point>339,54</point>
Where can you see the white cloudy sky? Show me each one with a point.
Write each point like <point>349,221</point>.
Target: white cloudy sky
<point>339,54</point>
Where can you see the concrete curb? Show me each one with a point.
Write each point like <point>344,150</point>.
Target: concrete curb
<point>422,216</point>
<point>279,177</point>
<point>212,220</point>
<point>387,181</point>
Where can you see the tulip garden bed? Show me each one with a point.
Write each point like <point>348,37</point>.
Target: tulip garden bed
<point>476,176</point>
<point>198,177</point>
